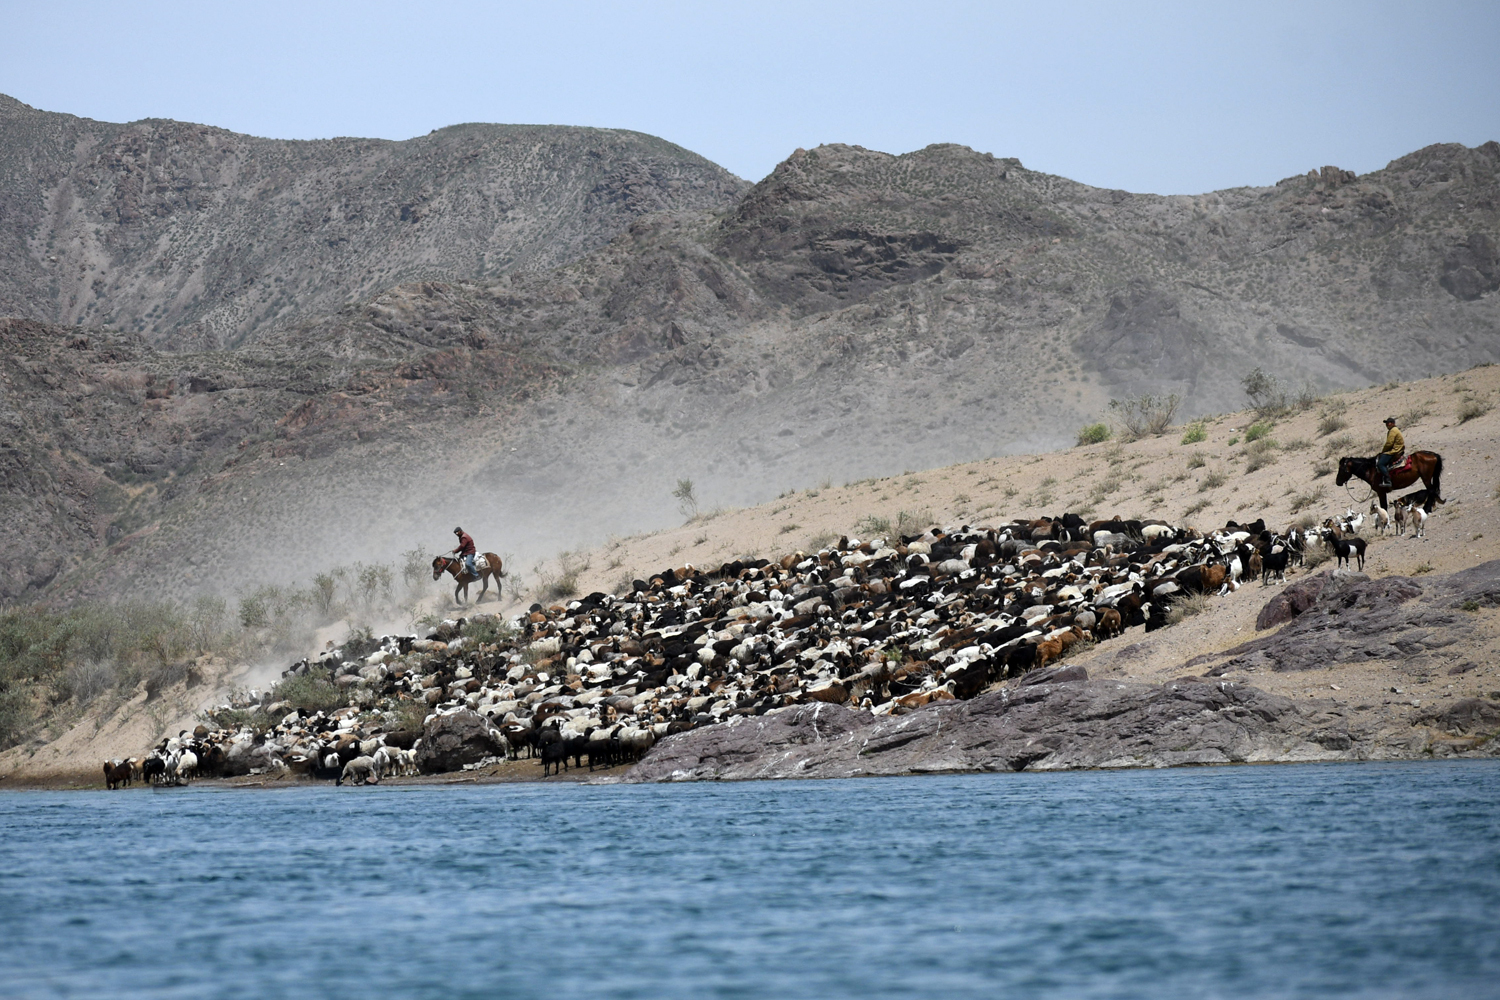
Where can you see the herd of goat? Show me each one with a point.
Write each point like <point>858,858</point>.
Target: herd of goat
<point>887,626</point>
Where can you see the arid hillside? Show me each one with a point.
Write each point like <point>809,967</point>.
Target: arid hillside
<point>195,237</point>
<point>854,314</point>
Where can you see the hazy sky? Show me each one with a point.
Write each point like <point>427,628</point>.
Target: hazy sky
<point>1167,98</point>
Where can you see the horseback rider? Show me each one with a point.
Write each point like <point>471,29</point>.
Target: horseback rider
<point>1395,447</point>
<point>466,551</point>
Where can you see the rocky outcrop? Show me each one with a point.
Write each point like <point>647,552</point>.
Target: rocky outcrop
<point>1298,597</point>
<point>453,740</point>
<point>246,756</point>
<point>1055,722</point>
<point>1354,619</point>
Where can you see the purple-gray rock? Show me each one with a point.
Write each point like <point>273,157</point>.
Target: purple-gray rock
<point>245,756</point>
<point>1061,724</point>
<point>451,741</point>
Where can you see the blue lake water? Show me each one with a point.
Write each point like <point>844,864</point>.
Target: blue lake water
<point>1368,880</point>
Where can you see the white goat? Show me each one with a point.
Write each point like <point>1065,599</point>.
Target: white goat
<point>187,766</point>
<point>1418,522</point>
<point>1381,515</point>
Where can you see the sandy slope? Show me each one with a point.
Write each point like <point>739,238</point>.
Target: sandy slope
<point>1154,480</point>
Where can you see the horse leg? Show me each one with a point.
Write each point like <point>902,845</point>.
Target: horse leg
<point>484,586</point>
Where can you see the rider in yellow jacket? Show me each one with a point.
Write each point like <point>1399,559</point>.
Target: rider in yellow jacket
<point>1395,447</point>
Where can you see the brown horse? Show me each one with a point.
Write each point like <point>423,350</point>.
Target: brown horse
<point>448,564</point>
<point>1424,465</point>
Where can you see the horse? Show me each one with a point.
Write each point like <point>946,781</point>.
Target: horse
<point>1424,465</point>
<point>442,564</point>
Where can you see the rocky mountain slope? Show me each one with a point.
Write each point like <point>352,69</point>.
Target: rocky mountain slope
<point>196,237</point>
<point>853,314</point>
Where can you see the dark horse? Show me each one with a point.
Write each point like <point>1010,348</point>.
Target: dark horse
<point>1424,465</point>
<point>448,564</point>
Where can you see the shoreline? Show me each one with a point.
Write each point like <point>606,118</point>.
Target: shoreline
<point>261,782</point>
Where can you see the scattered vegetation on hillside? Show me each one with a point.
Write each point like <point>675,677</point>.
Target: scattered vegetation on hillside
<point>56,663</point>
<point>1146,414</point>
<point>1094,434</point>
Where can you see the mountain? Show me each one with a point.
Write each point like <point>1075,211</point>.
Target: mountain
<point>853,314</point>
<point>197,237</point>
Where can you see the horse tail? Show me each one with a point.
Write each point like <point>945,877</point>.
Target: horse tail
<point>1437,481</point>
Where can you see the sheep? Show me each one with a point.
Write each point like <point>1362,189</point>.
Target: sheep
<point>187,766</point>
<point>384,761</point>
<point>359,771</point>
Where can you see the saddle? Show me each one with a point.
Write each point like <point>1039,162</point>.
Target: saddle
<point>481,563</point>
<point>1402,466</point>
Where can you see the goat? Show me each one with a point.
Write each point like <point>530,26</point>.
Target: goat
<point>116,773</point>
<point>153,769</point>
<point>1344,548</point>
<point>1418,522</point>
<point>554,756</point>
<point>1351,521</point>
<point>1381,515</point>
<point>187,766</point>
<point>1398,512</point>
<point>1275,562</point>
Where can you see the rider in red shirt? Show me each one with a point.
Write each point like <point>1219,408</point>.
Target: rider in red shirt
<point>466,551</point>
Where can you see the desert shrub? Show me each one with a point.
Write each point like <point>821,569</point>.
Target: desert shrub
<point>1257,431</point>
<point>1336,446</point>
<point>1297,444</point>
<point>872,526</point>
<point>1473,407</point>
<point>1331,422</point>
<point>821,540</point>
<point>1321,469</point>
<point>416,571</point>
<point>1196,508</point>
<point>913,522</point>
<point>787,529</point>
<point>490,630</point>
<point>1306,499</point>
<point>1266,392</point>
<point>686,497</point>
<point>1094,434</point>
<point>1146,414</point>
<point>309,693</point>
<point>1414,415</point>
<point>1187,607</point>
<point>1195,432</point>
<point>1234,441</point>
<point>1197,462</point>
<point>1212,480</point>
<point>1260,454</point>
<point>86,680</point>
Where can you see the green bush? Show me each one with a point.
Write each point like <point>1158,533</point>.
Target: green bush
<point>309,693</point>
<point>1094,434</point>
<point>1196,432</point>
<point>1257,431</point>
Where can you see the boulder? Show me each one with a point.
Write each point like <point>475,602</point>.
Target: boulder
<point>451,741</point>
<point>1302,595</point>
<point>245,756</point>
